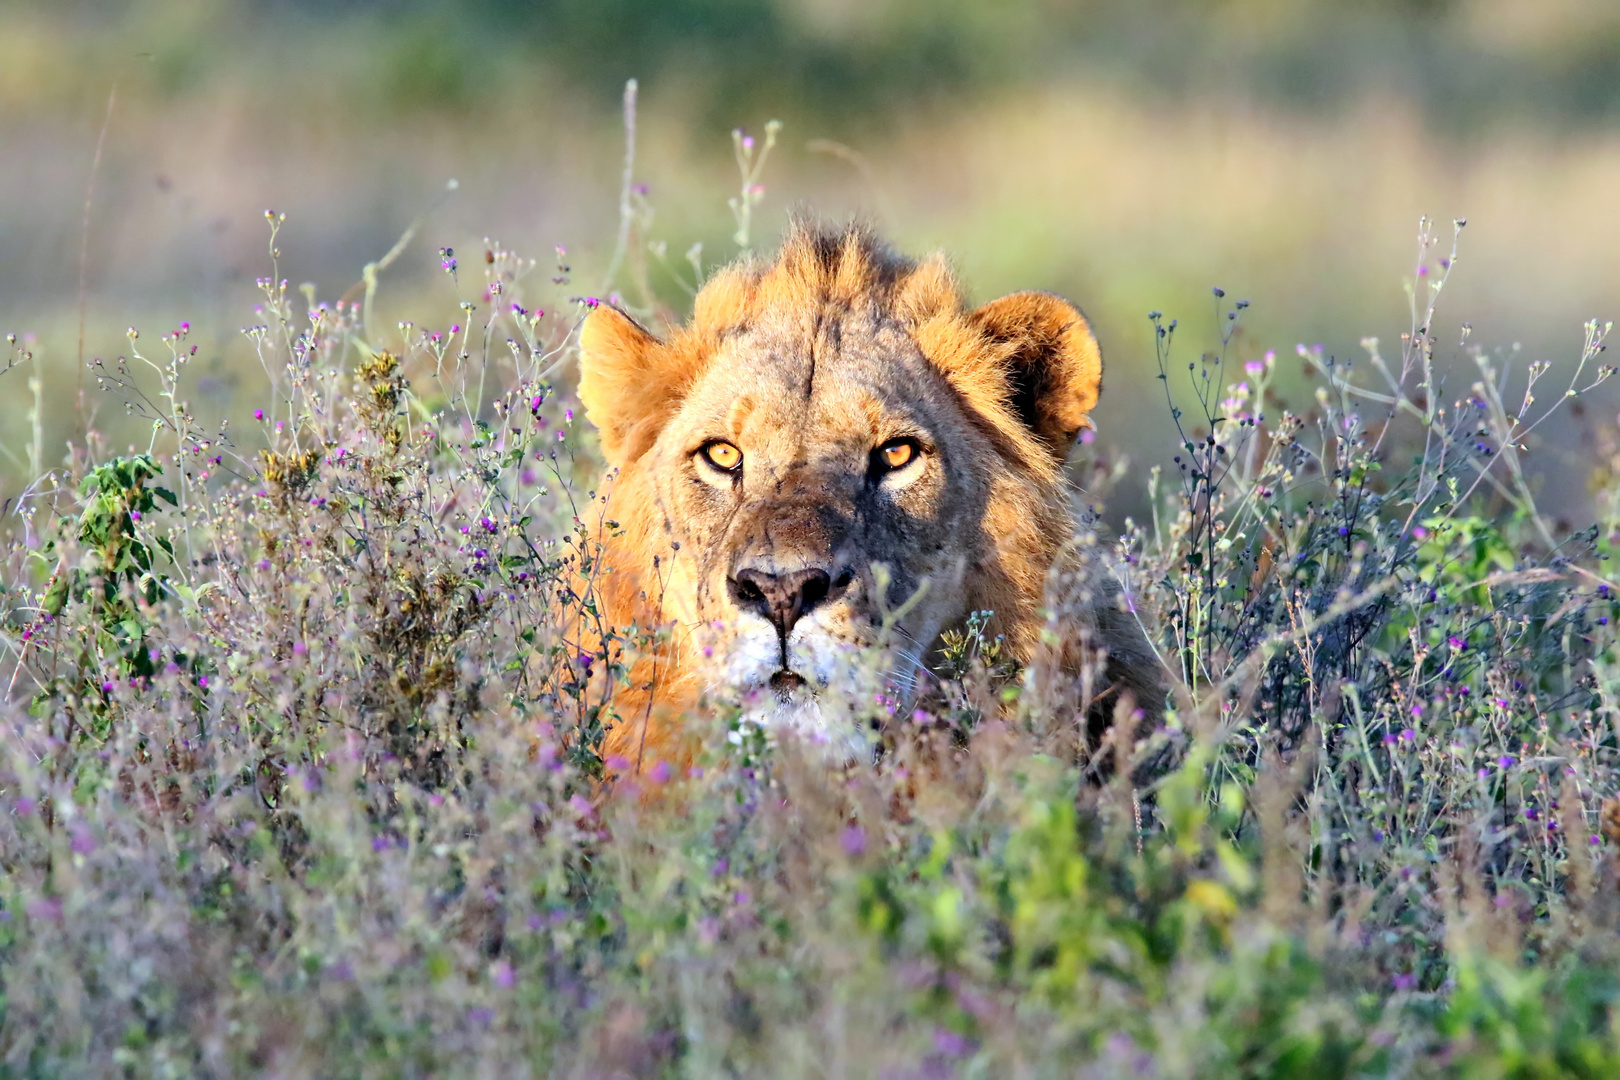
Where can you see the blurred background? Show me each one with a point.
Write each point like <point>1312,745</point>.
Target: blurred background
<point>1128,154</point>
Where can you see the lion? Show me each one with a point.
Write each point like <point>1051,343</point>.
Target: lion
<point>835,456</point>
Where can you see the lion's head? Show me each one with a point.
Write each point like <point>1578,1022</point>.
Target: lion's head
<point>828,422</point>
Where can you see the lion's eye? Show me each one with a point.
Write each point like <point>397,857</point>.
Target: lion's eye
<point>722,455</point>
<point>897,454</point>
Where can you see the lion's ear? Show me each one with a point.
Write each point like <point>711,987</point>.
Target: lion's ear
<point>624,392</point>
<point>1054,363</point>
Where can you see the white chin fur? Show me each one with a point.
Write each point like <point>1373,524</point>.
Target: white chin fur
<point>820,711</point>
<point>832,730</point>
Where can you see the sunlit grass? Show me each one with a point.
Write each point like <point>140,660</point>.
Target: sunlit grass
<point>301,773</point>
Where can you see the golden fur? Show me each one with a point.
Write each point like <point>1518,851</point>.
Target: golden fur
<point>807,367</point>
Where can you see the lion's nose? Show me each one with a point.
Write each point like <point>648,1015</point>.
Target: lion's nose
<point>784,598</point>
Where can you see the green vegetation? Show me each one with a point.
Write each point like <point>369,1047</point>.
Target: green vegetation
<point>300,774</point>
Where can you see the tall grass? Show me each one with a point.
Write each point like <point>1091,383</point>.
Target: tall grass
<point>301,775</point>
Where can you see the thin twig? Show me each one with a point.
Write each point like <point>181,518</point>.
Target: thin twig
<point>84,246</point>
<point>626,185</point>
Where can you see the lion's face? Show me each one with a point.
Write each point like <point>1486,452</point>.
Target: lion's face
<point>816,482</point>
<point>805,462</point>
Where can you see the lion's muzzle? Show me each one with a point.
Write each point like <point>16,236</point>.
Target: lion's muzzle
<point>787,597</point>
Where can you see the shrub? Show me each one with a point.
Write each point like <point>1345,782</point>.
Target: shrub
<point>302,765</point>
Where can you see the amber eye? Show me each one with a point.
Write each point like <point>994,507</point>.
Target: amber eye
<point>896,454</point>
<point>722,455</point>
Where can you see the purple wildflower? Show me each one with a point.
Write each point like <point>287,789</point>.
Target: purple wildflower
<point>949,1042</point>
<point>46,909</point>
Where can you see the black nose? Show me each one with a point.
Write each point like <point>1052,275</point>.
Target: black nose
<point>784,598</point>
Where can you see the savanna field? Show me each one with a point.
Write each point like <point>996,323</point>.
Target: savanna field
<point>302,765</point>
